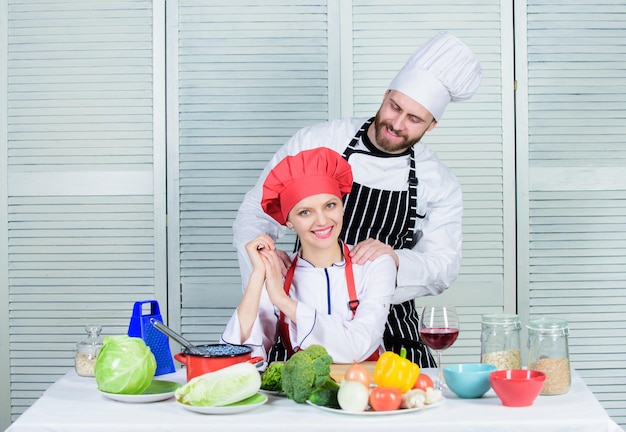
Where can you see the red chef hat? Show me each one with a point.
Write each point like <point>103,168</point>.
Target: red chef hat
<point>310,172</point>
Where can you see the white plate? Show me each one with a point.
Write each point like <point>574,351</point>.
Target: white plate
<point>245,405</point>
<point>370,412</point>
<point>158,390</point>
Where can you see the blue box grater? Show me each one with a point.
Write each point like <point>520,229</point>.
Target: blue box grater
<point>141,327</point>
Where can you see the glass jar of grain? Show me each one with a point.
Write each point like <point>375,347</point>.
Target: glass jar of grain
<point>87,351</point>
<point>500,341</point>
<point>548,352</point>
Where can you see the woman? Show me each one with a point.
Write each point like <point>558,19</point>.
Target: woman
<point>324,299</point>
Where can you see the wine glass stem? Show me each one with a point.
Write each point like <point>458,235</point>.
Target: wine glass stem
<point>439,385</point>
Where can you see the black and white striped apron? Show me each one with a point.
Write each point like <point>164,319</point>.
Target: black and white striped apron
<point>390,217</point>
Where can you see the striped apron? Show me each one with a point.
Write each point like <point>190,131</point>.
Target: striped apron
<point>390,217</point>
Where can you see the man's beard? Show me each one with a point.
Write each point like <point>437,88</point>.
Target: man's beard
<point>385,144</point>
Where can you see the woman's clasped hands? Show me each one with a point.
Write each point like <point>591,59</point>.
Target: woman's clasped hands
<point>267,264</point>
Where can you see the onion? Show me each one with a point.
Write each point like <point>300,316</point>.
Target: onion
<point>357,372</point>
<point>353,396</point>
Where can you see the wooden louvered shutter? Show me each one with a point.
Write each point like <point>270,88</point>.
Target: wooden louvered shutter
<point>83,233</point>
<point>474,138</point>
<point>249,75</point>
<point>576,268</point>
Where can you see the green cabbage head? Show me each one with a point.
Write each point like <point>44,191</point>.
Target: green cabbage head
<point>125,365</point>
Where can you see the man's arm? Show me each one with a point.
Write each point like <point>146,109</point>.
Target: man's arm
<point>434,262</point>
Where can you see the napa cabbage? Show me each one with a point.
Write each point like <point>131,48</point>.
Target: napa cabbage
<point>223,387</point>
<point>125,365</point>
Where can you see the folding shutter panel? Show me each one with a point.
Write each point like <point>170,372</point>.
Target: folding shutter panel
<point>251,73</point>
<point>577,93</point>
<point>81,235</point>
<point>472,139</point>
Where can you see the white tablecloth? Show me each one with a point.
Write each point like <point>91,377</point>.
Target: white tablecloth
<point>74,404</point>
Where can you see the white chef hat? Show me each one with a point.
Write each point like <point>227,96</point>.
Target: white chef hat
<point>444,69</point>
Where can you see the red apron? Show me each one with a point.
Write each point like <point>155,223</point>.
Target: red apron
<point>352,304</point>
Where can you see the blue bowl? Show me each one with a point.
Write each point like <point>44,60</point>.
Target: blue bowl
<point>468,380</point>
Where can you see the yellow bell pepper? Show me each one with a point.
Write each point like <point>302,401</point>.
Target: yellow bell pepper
<point>393,370</point>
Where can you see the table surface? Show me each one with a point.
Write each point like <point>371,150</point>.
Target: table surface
<point>73,403</point>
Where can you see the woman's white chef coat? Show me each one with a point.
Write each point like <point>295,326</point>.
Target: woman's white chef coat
<point>322,314</point>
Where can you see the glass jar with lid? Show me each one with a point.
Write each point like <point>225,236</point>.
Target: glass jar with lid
<point>548,352</point>
<point>500,341</point>
<point>87,351</point>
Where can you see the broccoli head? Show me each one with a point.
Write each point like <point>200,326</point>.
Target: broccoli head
<point>306,371</point>
<point>271,379</point>
<point>315,351</point>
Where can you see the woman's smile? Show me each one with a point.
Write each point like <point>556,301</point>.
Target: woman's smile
<point>323,232</point>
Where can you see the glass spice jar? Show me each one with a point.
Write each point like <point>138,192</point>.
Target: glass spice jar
<point>548,352</point>
<point>500,341</point>
<point>87,351</point>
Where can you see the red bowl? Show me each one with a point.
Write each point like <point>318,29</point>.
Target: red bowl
<point>517,387</point>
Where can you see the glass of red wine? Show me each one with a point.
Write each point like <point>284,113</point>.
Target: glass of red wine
<point>439,328</point>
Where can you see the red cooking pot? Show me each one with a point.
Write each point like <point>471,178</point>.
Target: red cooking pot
<point>212,357</point>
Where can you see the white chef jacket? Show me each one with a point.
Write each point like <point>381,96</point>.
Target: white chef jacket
<point>323,316</point>
<point>426,269</point>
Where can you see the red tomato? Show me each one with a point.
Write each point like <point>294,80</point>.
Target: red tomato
<point>385,399</point>
<point>423,382</point>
